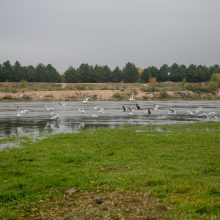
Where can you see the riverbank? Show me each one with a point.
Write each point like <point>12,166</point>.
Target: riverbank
<point>156,171</point>
<point>105,91</point>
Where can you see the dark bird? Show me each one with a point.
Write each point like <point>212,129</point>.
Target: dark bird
<point>172,111</point>
<point>138,107</point>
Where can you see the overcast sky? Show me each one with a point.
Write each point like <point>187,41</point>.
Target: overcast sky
<point>112,32</point>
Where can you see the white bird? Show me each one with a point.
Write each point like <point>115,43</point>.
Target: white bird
<point>20,112</point>
<point>129,111</point>
<point>209,115</point>
<point>24,111</point>
<point>81,110</point>
<point>212,113</point>
<point>99,109</point>
<point>131,98</point>
<point>47,108</point>
<point>189,113</point>
<point>203,114</point>
<point>156,107</point>
<point>85,100</point>
<point>94,116</point>
<point>54,116</point>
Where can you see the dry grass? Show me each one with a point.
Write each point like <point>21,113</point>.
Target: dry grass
<point>98,205</point>
<point>107,91</point>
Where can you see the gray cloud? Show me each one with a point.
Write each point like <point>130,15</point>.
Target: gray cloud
<point>112,32</point>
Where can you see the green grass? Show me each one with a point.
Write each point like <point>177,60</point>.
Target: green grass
<point>178,163</point>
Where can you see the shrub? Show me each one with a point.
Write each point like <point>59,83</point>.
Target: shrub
<point>216,78</point>
<point>26,98</point>
<point>117,96</point>
<point>50,95</point>
<point>149,89</point>
<point>23,84</point>
<point>94,97</point>
<point>7,97</point>
<point>145,97</point>
<point>80,87</point>
<point>183,83</point>
<point>163,95</point>
<point>211,87</point>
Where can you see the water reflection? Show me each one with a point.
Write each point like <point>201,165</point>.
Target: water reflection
<point>38,120</point>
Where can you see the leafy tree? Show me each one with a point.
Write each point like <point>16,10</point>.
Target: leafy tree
<point>215,69</point>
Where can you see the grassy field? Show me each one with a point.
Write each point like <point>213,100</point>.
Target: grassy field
<point>179,164</point>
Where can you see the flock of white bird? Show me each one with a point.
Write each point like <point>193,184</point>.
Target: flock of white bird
<point>199,112</point>
<point>55,115</point>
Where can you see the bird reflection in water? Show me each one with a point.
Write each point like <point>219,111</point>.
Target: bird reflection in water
<point>19,131</point>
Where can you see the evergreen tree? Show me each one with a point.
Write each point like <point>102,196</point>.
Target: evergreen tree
<point>130,73</point>
<point>51,74</point>
<point>71,75</point>
<point>116,75</point>
<point>85,72</point>
<point>151,71</point>
<point>163,73</point>
<point>18,73</point>
<point>191,75</point>
<point>6,72</point>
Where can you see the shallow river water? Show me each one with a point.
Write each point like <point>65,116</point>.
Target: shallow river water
<point>38,120</point>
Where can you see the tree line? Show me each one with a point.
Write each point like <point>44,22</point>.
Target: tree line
<point>86,73</point>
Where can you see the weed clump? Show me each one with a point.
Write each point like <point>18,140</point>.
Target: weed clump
<point>117,96</point>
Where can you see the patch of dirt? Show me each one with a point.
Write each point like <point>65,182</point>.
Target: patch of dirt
<point>115,169</point>
<point>98,205</point>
